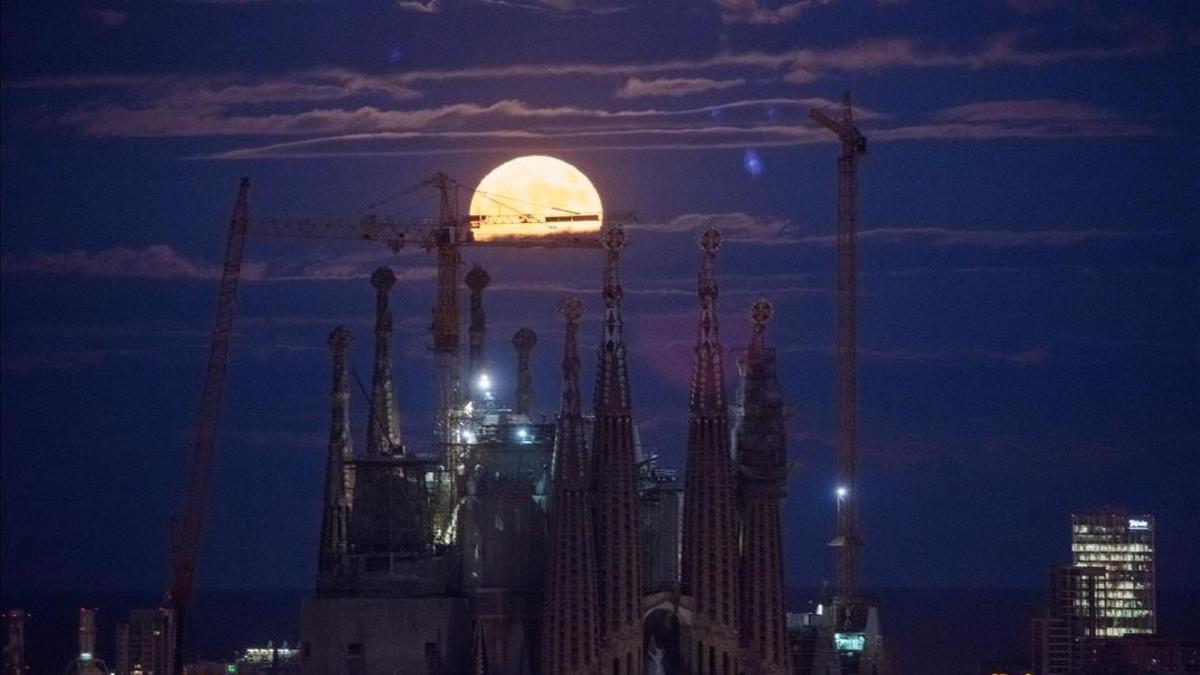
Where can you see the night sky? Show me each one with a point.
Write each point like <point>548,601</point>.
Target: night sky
<point>1030,255</point>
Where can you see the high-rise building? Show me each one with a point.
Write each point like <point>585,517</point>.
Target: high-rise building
<point>87,663</point>
<point>1063,638</point>
<point>1123,546</point>
<point>146,643</point>
<point>14,645</point>
<point>661,515</point>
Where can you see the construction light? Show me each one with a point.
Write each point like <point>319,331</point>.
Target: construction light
<point>842,492</point>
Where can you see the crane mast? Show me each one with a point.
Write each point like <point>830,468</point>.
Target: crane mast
<point>446,236</point>
<point>847,543</point>
<point>185,535</point>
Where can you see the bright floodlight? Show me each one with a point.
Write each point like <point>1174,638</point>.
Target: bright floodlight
<point>485,382</point>
<point>842,492</point>
<point>522,433</point>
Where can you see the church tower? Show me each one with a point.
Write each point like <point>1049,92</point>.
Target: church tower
<point>615,484</point>
<point>709,572</point>
<point>569,626</point>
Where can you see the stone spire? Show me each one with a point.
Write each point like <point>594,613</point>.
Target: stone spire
<point>383,426</point>
<point>709,567</point>
<point>762,471</point>
<point>339,476</point>
<point>477,280</point>
<point>524,340</point>
<point>569,635</point>
<point>615,486</point>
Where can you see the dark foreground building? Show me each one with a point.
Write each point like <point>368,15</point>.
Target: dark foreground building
<point>526,545</point>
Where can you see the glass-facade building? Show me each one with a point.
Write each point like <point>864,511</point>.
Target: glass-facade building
<point>1123,546</point>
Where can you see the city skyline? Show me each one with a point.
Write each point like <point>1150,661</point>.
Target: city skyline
<point>1027,318</point>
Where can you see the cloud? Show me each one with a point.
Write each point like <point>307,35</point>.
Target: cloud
<point>567,8</point>
<point>161,261</point>
<point>1023,118</point>
<point>636,87</point>
<point>109,18</point>
<point>422,6</point>
<point>157,261</point>
<point>1032,6</point>
<point>168,117</point>
<point>763,12</point>
<point>735,226</point>
<point>939,236</point>
<point>237,89</point>
<point>70,357</point>
<point>1030,356</point>
<point>1013,48</point>
<point>340,112</point>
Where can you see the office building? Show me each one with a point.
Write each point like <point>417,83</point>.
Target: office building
<point>1122,545</point>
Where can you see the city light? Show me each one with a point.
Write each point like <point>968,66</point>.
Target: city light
<point>842,492</point>
<point>485,382</point>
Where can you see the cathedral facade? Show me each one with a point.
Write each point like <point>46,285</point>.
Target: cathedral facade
<point>551,545</point>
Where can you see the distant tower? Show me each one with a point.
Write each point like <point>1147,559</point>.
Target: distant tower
<point>1123,546</point>
<point>87,663</point>
<point>569,631</point>
<point>339,476</point>
<point>524,340</point>
<point>615,484</point>
<point>762,484</point>
<point>477,280</point>
<point>383,427</point>
<point>14,645</point>
<point>709,570</point>
<point>146,642</point>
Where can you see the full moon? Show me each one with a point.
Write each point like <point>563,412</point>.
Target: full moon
<point>544,187</point>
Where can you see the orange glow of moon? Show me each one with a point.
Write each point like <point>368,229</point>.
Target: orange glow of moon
<point>535,185</point>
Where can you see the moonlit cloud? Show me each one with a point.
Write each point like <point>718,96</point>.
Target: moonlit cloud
<point>157,261</point>
<point>636,87</point>
<point>764,12</point>
<point>940,236</point>
<point>109,18</point>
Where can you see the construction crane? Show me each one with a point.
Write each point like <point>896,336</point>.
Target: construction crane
<point>446,236</point>
<point>847,543</point>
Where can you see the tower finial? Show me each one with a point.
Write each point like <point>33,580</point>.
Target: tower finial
<point>524,340</point>
<point>339,475</point>
<point>614,241</point>
<point>383,427</point>
<point>760,313</point>
<point>612,382</point>
<point>572,309</point>
<point>710,242</point>
<point>477,280</point>
<point>708,380</point>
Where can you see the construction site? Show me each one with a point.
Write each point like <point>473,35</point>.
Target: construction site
<point>527,541</point>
